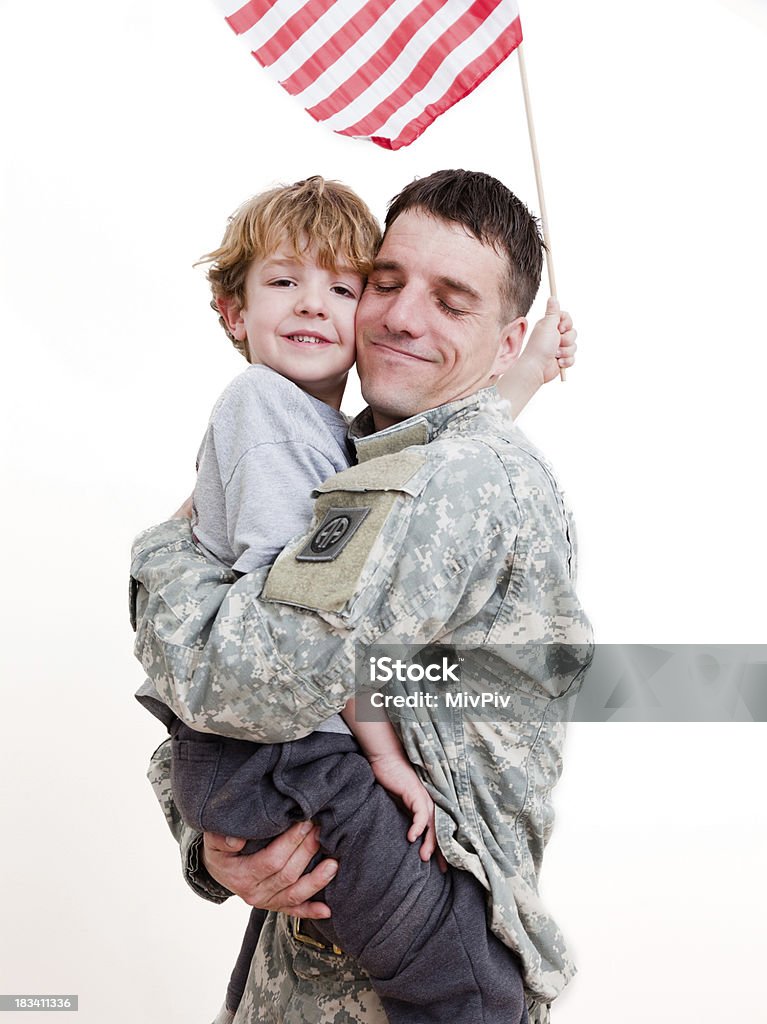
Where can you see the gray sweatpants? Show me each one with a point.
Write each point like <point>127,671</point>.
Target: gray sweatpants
<point>421,935</point>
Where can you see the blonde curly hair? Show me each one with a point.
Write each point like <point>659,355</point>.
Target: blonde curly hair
<point>330,215</point>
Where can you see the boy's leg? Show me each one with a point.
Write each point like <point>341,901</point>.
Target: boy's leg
<point>420,934</point>
<point>452,968</point>
<point>217,783</point>
<point>201,763</point>
<point>227,786</point>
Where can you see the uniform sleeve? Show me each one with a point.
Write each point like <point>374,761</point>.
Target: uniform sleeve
<point>189,840</point>
<point>395,555</point>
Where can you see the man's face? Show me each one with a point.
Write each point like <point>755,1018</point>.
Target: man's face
<point>429,325</point>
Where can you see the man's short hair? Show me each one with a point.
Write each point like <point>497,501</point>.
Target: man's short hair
<point>493,215</point>
<point>325,214</point>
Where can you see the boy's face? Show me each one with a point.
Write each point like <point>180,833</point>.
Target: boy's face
<point>298,320</point>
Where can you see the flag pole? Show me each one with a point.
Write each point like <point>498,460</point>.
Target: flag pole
<point>538,179</point>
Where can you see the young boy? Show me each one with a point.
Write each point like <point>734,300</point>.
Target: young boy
<point>286,281</point>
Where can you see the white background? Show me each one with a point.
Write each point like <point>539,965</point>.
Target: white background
<point>130,132</point>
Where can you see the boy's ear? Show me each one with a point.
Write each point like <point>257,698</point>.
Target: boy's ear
<point>230,310</point>
<point>510,342</point>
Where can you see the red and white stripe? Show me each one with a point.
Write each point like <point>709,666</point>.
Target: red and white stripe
<point>378,69</point>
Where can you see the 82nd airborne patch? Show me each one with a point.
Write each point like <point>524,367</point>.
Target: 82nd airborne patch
<point>332,535</point>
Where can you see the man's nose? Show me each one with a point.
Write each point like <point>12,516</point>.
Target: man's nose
<point>311,302</point>
<point>405,313</point>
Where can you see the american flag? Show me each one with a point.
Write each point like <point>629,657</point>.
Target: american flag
<point>383,69</point>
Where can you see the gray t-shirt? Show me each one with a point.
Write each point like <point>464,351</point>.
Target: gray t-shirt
<point>268,444</point>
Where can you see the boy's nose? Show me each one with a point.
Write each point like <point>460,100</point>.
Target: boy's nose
<point>310,303</point>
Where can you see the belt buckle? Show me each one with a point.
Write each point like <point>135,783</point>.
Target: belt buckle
<point>309,940</point>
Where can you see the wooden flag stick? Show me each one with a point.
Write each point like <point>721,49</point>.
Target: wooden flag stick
<point>538,180</point>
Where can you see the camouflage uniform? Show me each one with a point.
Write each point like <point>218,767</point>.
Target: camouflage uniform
<point>460,537</point>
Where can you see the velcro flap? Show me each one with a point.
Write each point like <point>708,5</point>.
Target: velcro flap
<point>326,569</point>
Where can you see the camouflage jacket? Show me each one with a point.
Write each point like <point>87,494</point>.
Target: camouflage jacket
<point>456,534</point>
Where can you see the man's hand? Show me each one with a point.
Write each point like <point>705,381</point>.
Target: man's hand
<point>551,345</point>
<point>273,878</point>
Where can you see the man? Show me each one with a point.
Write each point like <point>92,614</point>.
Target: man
<point>450,531</point>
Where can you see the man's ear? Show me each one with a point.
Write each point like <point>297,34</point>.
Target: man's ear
<point>230,310</point>
<point>510,342</point>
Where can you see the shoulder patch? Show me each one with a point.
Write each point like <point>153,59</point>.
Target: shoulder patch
<point>325,569</point>
<point>333,534</point>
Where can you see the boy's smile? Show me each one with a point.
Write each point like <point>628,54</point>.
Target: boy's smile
<point>298,319</point>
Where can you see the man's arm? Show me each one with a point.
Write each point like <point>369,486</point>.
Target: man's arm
<point>205,646</point>
<point>423,558</point>
<point>188,840</point>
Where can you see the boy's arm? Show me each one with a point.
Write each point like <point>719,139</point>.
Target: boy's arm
<point>395,773</point>
<point>551,347</point>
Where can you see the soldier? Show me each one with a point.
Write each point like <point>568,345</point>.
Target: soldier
<point>449,530</point>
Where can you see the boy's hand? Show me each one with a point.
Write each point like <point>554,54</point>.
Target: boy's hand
<point>185,512</point>
<point>397,775</point>
<point>551,345</point>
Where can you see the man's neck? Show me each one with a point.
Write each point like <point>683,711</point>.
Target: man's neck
<point>382,420</point>
<point>420,428</point>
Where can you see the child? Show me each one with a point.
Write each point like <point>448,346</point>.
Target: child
<point>286,281</point>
